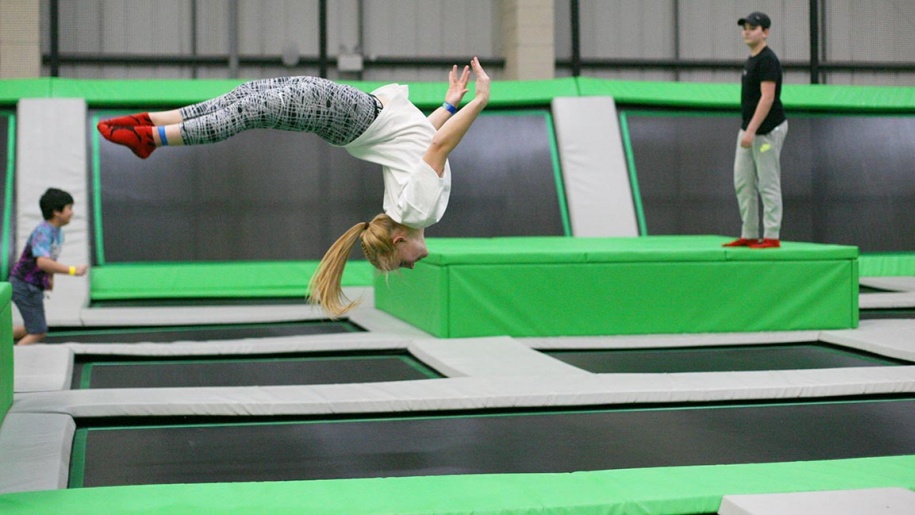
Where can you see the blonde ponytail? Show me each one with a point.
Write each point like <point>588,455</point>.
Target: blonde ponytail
<point>377,244</point>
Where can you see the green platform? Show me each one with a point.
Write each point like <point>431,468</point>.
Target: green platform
<point>555,286</point>
<point>6,349</point>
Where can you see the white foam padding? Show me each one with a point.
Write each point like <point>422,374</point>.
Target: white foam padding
<point>890,300</point>
<point>494,356</point>
<point>485,392</point>
<point>664,341</point>
<point>339,342</point>
<point>893,338</point>
<point>51,153</point>
<point>42,368</point>
<point>197,315</point>
<point>374,320</point>
<point>594,170</point>
<point>890,283</point>
<point>873,501</point>
<point>35,451</point>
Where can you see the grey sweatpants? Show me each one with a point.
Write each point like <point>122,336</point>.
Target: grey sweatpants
<point>757,175</point>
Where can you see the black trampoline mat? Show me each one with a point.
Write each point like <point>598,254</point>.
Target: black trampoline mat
<point>249,371</point>
<point>846,179</point>
<point>493,444</point>
<point>877,314</point>
<point>719,359</point>
<point>160,334</point>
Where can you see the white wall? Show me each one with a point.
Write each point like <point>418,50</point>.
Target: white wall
<point>852,30</point>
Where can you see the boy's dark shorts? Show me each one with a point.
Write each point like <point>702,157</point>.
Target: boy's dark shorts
<point>30,301</point>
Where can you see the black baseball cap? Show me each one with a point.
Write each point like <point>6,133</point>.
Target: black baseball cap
<point>756,18</point>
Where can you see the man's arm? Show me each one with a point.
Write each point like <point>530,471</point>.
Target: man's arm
<point>767,89</point>
<point>452,131</point>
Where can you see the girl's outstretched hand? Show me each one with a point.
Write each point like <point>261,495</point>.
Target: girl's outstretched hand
<point>457,86</point>
<point>482,83</point>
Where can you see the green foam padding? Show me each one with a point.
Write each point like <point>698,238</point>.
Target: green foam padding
<point>6,349</point>
<point>179,92</point>
<point>803,97</point>
<point>887,264</point>
<point>652,491</point>
<point>428,95</point>
<point>554,286</point>
<point>214,280</point>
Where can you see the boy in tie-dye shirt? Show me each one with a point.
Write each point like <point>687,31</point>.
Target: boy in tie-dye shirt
<point>34,272</point>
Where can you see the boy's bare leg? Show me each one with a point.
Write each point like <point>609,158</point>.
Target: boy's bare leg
<point>30,339</point>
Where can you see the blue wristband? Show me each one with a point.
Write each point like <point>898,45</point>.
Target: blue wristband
<point>450,108</point>
<point>162,136</point>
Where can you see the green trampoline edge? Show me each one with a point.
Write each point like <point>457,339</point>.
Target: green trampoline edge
<point>886,264</point>
<point>691,489</point>
<point>214,280</point>
<point>7,229</point>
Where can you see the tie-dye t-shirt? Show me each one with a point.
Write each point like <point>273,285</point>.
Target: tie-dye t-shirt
<point>45,241</point>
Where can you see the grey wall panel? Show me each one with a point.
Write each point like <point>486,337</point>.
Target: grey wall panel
<point>267,26</point>
<point>623,28</point>
<point>44,162</point>
<point>594,167</point>
<point>431,28</point>
<point>870,31</point>
<point>709,28</point>
<point>863,32</point>
<point>212,27</point>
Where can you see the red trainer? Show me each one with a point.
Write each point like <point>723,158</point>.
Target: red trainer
<point>741,242</point>
<point>767,243</point>
<point>133,120</point>
<point>138,139</point>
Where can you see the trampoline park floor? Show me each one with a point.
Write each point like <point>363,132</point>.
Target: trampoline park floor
<point>562,441</point>
<point>105,371</point>
<point>235,403</point>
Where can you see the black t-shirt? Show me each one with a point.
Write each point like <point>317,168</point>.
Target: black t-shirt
<point>762,67</point>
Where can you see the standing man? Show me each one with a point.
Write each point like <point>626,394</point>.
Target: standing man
<point>757,167</point>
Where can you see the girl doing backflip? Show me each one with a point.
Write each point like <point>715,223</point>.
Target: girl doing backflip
<point>382,127</point>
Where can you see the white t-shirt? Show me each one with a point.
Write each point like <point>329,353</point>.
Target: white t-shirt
<point>414,194</point>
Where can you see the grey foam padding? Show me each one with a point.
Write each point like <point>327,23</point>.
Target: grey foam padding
<point>496,356</point>
<point>890,283</point>
<point>890,338</point>
<point>51,152</point>
<point>194,315</point>
<point>594,170</point>
<point>459,393</point>
<point>890,300</point>
<point>339,342</point>
<point>35,451</point>
<point>882,501</point>
<point>42,368</point>
<point>657,341</point>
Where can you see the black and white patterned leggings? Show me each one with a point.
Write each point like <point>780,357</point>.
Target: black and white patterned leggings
<point>335,112</point>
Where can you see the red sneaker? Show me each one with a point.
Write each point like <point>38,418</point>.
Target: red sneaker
<point>767,243</point>
<point>137,139</point>
<point>741,242</point>
<point>134,120</point>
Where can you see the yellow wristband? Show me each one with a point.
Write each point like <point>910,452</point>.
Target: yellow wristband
<point>72,270</point>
